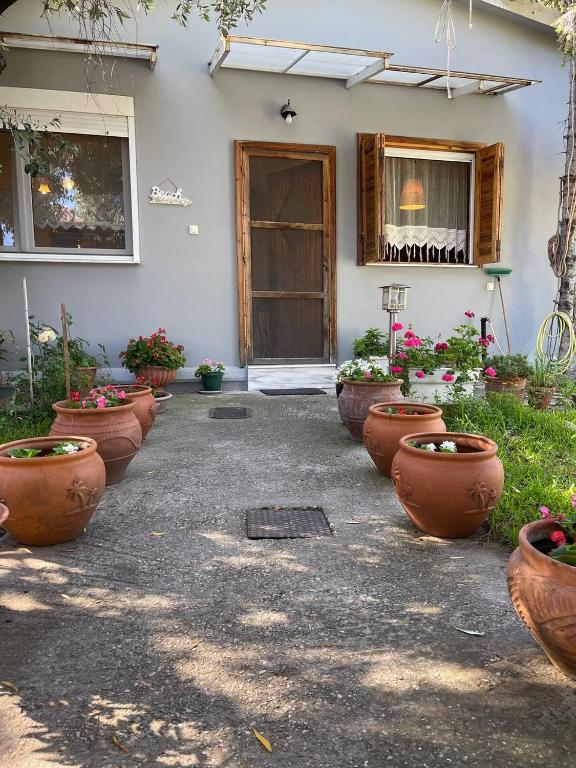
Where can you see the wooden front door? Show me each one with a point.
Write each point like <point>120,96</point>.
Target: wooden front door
<point>285,195</point>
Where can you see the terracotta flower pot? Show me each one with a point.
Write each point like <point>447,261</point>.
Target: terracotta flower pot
<point>157,375</point>
<point>146,408</point>
<point>543,592</point>
<point>541,397</point>
<point>383,430</point>
<point>516,387</point>
<point>50,499</point>
<point>357,397</point>
<point>448,494</point>
<point>162,399</point>
<point>116,430</point>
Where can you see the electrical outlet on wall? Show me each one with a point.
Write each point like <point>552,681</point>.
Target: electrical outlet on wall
<point>193,229</point>
<point>490,286</point>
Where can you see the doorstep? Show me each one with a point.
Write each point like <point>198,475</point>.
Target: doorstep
<point>320,376</point>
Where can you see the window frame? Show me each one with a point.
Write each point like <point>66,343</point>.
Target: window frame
<point>80,113</point>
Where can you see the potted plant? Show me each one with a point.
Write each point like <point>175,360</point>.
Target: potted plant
<point>372,346</point>
<point>542,585</point>
<point>435,369</point>
<point>211,373</point>
<point>145,411</point>
<point>50,486</point>
<point>364,384</point>
<point>447,482</point>
<point>388,422</point>
<point>153,358</point>
<point>107,416</point>
<point>507,374</point>
<point>542,384</point>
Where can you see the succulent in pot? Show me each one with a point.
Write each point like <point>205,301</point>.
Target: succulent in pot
<point>447,482</point>
<point>107,416</point>
<point>211,374</point>
<point>542,585</point>
<point>507,374</point>
<point>50,486</point>
<point>388,422</point>
<point>364,384</point>
<point>154,358</point>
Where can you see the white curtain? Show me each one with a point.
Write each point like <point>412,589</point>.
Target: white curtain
<point>438,233</point>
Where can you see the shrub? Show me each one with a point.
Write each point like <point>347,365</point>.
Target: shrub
<point>373,344</point>
<point>509,367</point>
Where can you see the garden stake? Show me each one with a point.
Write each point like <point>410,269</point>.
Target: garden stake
<point>28,344</point>
<point>504,314</point>
<point>64,318</point>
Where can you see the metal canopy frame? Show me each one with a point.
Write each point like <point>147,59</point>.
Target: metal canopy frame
<point>352,65</point>
<point>82,45</point>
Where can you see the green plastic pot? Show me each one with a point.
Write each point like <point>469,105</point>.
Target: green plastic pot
<point>212,382</point>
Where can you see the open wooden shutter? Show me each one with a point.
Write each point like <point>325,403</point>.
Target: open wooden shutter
<point>488,204</point>
<point>370,197</point>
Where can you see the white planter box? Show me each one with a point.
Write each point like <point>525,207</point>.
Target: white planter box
<point>432,388</point>
<point>382,362</point>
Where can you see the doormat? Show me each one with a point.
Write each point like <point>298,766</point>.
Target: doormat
<point>301,391</point>
<point>230,412</point>
<point>287,523</point>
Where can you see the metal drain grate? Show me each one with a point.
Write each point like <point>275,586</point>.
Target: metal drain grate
<point>294,391</point>
<point>287,523</point>
<point>230,412</point>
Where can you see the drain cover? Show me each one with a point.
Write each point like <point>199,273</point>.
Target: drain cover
<point>287,523</point>
<point>230,412</point>
<point>297,391</point>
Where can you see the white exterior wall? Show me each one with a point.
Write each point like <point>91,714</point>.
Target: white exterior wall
<point>185,126</point>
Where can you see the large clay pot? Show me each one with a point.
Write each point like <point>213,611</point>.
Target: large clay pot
<point>357,397</point>
<point>448,494</point>
<point>116,430</point>
<point>157,375</point>
<point>543,592</point>
<point>383,430</point>
<point>516,387</point>
<point>50,499</point>
<point>146,408</point>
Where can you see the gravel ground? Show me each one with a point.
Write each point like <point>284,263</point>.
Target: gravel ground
<point>163,636</point>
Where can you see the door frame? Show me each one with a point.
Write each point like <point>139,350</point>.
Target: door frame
<point>243,150</point>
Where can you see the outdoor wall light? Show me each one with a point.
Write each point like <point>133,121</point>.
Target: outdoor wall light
<point>394,300</point>
<point>43,187</point>
<point>288,112</point>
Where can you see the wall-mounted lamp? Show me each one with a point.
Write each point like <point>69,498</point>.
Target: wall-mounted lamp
<point>288,113</point>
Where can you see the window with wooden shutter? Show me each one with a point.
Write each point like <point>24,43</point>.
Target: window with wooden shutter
<point>488,204</point>
<point>370,197</point>
<point>457,218</point>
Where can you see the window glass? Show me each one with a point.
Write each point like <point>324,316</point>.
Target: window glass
<point>6,191</point>
<point>427,211</point>
<point>82,204</point>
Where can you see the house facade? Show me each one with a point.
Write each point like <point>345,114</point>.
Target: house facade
<point>195,205</point>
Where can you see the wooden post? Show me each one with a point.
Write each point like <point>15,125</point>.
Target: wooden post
<point>504,314</point>
<point>64,318</point>
<point>28,344</point>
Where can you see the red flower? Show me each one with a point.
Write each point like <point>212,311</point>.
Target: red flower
<point>397,369</point>
<point>409,335</point>
<point>441,346</point>
<point>558,538</point>
<point>75,397</point>
<point>469,313</point>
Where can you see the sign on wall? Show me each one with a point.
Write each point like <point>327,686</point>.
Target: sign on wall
<point>159,196</point>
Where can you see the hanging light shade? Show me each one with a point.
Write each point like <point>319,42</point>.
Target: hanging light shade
<point>412,197</point>
<point>43,187</point>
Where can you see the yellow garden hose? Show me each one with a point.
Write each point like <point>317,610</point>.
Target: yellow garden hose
<point>549,337</point>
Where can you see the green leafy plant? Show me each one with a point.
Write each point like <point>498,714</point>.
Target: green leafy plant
<point>509,367</point>
<point>374,343</point>
<point>208,366</point>
<point>109,396</point>
<point>544,374</point>
<point>363,370</point>
<point>23,453</point>
<point>154,350</point>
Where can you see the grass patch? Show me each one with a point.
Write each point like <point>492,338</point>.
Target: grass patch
<point>537,449</point>
<point>19,427</point>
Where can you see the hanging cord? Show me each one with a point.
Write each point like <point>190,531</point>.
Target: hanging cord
<point>496,338</point>
<point>549,337</point>
<point>445,28</point>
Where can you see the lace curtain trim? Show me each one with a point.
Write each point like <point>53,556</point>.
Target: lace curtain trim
<point>429,237</point>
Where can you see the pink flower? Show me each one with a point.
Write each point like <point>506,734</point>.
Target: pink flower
<point>469,313</point>
<point>573,500</point>
<point>441,346</point>
<point>397,327</point>
<point>413,341</point>
<point>490,339</point>
<point>121,394</point>
<point>420,374</point>
<point>558,538</point>
<point>545,513</point>
<point>403,356</point>
<point>207,361</point>
<point>490,372</point>
<point>101,402</point>
<point>448,377</point>
<point>367,374</point>
<point>409,335</point>
<point>397,369</point>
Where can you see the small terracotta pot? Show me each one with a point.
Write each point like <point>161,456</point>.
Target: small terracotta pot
<point>543,592</point>
<point>541,397</point>
<point>516,387</point>
<point>448,494</point>
<point>383,430</point>
<point>50,498</point>
<point>116,430</point>
<point>146,408</point>
<point>157,375</point>
<point>357,397</point>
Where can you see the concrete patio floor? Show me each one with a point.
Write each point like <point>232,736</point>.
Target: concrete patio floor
<point>165,632</point>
